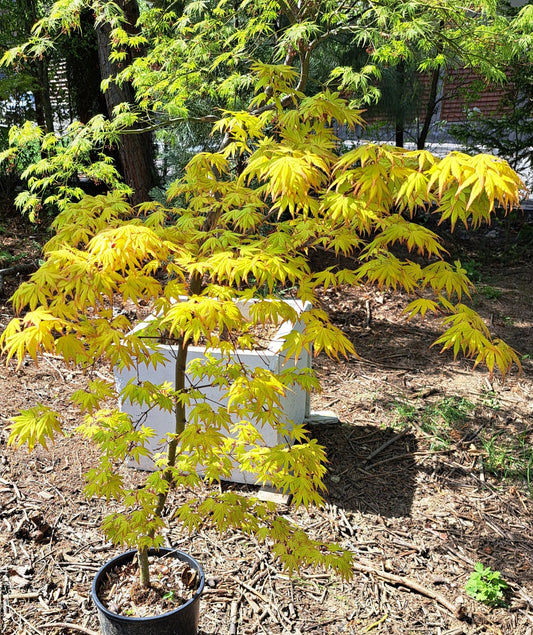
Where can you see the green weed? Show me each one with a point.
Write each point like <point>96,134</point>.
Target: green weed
<point>170,596</point>
<point>472,269</point>
<point>437,420</point>
<point>405,413</point>
<point>486,586</point>
<point>490,399</point>
<point>7,258</point>
<point>490,293</point>
<point>508,456</point>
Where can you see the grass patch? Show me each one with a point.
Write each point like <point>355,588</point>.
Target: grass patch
<point>488,292</point>
<point>441,421</point>
<point>506,452</point>
<point>508,456</point>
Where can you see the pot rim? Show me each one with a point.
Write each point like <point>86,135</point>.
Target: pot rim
<point>126,554</point>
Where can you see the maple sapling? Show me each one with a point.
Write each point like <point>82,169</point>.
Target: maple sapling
<point>233,235</point>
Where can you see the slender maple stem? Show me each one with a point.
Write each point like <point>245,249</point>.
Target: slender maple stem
<point>144,572</point>
<point>180,422</point>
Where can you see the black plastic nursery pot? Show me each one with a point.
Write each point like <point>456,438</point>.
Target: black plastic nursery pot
<point>180,621</point>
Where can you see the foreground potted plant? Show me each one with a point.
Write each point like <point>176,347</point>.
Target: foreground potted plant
<point>237,236</point>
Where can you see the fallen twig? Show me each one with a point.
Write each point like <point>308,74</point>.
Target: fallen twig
<point>234,614</point>
<point>454,609</point>
<point>15,595</point>
<point>384,446</point>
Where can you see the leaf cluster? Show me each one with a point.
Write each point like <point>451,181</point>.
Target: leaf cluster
<point>487,586</point>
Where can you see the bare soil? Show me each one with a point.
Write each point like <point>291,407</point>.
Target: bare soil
<point>417,512</point>
<point>173,583</point>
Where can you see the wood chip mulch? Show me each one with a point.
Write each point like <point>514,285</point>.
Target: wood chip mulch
<point>416,517</point>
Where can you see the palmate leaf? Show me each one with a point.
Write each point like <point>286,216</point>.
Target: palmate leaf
<point>412,235</point>
<point>289,176</point>
<point>343,206</point>
<point>272,310</point>
<point>421,306</point>
<point>71,348</point>
<point>444,276</point>
<point>127,247</point>
<point>36,425</point>
<point>372,184</point>
<point>325,336</point>
<point>413,193</point>
<point>387,271</point>
<point>200,317</point>
<point>499,355</point>
<point>32,335</point>
<point>469,187</point>
<point>295,550</point>
<point>330,107</point>
<point>469,335</point>
<point>89,399</point>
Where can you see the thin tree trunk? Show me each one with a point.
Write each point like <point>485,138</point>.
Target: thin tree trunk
<point>43,103</point>
<point>430,109</point>
<point>400,112</point>
<point>180,418</point>
<point>39,69</point>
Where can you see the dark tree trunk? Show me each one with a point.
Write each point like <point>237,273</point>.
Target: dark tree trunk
<point>430,109</point>
<point>81,56</point>
<point>135,150</point>
<point>39,70</point>
<point>400,112</point>
<point>43,103</point>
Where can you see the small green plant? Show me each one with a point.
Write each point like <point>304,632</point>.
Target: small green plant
<point>472,270</point>
<point>491,293</point>
<point>508,456</point>
<point>170,596</point>
<point>452,410</point>
<point>437,419</point>
<point>405,413</point>
<point>486,586</point>
<point>491,399</point>
<point>6,257</point>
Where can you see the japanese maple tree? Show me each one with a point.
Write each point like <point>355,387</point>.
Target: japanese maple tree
<point>238,226</point>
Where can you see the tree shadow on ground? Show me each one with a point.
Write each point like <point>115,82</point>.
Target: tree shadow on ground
<point>361,478</point>
<point>376,471</point>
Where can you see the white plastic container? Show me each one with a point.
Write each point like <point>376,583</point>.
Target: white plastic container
<point>295,404</point>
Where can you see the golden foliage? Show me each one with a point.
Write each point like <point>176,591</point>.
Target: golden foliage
<point>245,236</point>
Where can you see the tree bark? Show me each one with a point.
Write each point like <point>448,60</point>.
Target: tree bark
<point>43,104</point>
<point>135,150</point>
<point>400,112</point>
<point>430,109</point>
